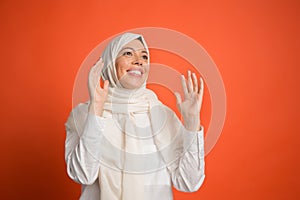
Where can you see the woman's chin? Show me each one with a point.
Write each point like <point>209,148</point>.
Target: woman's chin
<point>132,83</point>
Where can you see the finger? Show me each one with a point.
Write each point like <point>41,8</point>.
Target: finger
<point>94,69</point>
<point>178,100</point>
<point>183,83</point>
<point>92,73</point>
<point>190,83</point>
<point>195,82</point>
<point>99,69</point>
<point>201,89</point>
<point>99,65</point>
<point>98,61</point>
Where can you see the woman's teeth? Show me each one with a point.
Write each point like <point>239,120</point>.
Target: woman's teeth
<point>137,72</point>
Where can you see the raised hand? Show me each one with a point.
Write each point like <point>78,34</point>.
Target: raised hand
<point>191,106</point>
<point>97,94</point>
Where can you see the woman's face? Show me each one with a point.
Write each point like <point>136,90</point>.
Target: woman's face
<point>132,65</point>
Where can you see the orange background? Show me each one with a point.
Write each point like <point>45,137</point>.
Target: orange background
<point>255,45</point>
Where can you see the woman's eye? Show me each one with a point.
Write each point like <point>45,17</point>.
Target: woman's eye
<point>145,57</point>
<point>127,53</point>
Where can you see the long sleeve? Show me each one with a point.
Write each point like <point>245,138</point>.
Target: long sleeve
<point>188,172</point>
<point>82,141</point>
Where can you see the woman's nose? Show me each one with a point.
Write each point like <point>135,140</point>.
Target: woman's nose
<point>138,60</point>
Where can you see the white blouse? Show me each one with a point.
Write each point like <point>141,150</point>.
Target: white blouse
<point>186,174</point>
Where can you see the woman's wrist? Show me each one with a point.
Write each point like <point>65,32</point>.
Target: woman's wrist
<point>193,128</point>
<point>192,124</point>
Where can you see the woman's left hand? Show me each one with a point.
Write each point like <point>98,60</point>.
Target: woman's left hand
<point>191,106</point>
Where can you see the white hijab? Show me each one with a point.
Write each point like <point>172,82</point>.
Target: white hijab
<point>164,129</point>
<point>110,54</point>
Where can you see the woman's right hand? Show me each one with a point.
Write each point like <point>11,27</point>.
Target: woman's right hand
<point>97,94</point>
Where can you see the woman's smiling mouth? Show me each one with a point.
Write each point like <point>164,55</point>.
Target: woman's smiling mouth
<point>135,72</point>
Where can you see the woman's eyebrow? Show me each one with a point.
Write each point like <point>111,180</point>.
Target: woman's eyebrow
<point>143,51</point>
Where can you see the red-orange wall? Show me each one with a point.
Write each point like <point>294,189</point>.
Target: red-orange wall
<point>255,45</point>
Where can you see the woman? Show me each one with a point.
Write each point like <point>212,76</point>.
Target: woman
<point>124,144</point>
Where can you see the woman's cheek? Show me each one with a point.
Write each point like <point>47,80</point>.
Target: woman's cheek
<point>124,66</point>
